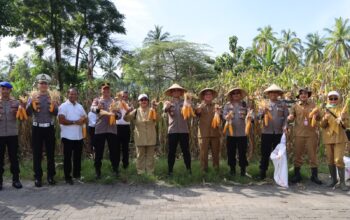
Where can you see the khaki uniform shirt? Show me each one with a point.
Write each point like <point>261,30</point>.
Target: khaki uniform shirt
<point>240,111</point>
<point>301,112</point>
<point>8,122</point>
<point>331,137</point>
<point>145,129</point>
<point>204,125</point>
<point>177,123</point>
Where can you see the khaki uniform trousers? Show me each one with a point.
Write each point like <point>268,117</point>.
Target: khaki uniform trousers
<point>306,145</point>
<point>145,159</point>
<point>205,143</point>
<point>335,154</point>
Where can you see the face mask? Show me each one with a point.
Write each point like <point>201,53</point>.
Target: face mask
<point>331,105</point>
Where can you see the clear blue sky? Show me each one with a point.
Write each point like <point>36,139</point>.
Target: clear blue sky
<point>212,22</point>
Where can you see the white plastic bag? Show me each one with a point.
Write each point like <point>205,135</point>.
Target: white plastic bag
<point>347,167</point>
<point>279,159</point>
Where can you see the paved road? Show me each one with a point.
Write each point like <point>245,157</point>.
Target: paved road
<point>122,201</point>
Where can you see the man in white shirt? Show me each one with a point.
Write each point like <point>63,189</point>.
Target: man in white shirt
<point>123,135</point>
<point>72,116</point>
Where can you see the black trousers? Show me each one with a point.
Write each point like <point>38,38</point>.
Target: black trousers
<point>174,139</point>
<point>234,143</point>
<point>100,140</point>
<point>123,139</point>
<point>43,137</point>
<point>11,142</point>
<point>268,144</point>
<point>72,148</point>
<point>91,131</point>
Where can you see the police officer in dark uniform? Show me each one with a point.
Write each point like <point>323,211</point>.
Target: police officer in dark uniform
<point>43,111</point>
<point>9,133</point>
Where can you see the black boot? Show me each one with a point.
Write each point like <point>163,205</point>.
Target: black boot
<point>38,183</point>
<point>243,171</point>
<point>51,181</point>
<point>0,183</point>
<point>297,176</point>
<point>233,171</point>
<point>314,176</point>
<point>333,173</point>
<point>15,182</point>
<point>341,173</point>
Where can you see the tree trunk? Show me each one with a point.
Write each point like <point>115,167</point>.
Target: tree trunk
<point>90,67</point>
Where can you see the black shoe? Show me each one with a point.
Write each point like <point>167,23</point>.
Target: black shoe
<point>170,174</point>
<point>51,181</point>
<point>17,184</point>
<point>69,181</point>
<point>38,183</point>
<point>117,173</point>
<point>297,176</point>
<point>262,175</point>
<point>333,172</point>
<point>314,176</point>
<point>0,186</point>
<point>243,171</point>
<point>125,166</point>
<point>189,171</point>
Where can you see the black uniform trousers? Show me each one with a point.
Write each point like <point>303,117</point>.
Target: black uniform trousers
<point>123,139</point>
<point>100,140</point>
<point>72,148</point>
<point>11,142</point>
<point>91,131</point>
<point>174,139</point>
<point>43,137</point>
<point>268,144</point>
<point>233,144</point>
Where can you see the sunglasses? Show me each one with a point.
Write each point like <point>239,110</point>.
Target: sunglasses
<point>333,99</point>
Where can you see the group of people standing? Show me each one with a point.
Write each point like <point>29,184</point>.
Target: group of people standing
<point>112,117</point>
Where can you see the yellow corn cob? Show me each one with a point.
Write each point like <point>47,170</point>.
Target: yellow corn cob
<point>313,112</point>
<point>230,129</point>
<point>248,126</point>
<point>112,120</point>
<point>18,113</point>
<point>152,115</point>
<point>52,107</point>
<point>84,131</point>
<point>313,121</point>
<point>267,118</point>
<point>216,120</point>
<point>35,106</point>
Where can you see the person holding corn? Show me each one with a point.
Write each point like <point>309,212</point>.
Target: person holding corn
<point>107,111</point>
<point>274,115</point>
<point>43,110</point>
<point>9,133</point>
<point>235,113</point>
<point>145,135</point>
<point>208,128</point>
<point>334,119</point>
<point>305,114</point>
<point>177,111</point>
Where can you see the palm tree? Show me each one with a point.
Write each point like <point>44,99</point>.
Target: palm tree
<point>109,67</point>
<point>314,48</point>
<point>8,64</point>
<point>289,48</point>
<point>264,39</point>
<point>337,48</point>
<point>155,36</point>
